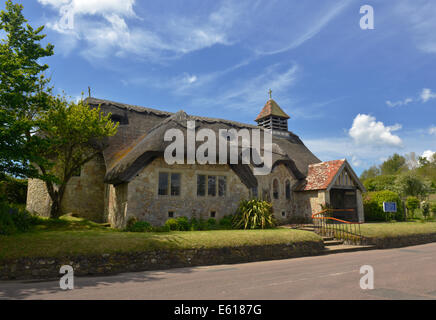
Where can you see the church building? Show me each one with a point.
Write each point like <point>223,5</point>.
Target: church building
<point>130,178</point>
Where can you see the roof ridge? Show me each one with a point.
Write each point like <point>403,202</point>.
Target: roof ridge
<point>137,108</point>
<point>127,106</point>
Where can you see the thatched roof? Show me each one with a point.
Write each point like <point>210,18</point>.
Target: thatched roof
<point>104,103</point>
<point>142,140</point>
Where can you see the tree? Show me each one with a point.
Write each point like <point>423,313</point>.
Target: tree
<point>433,209</point>
<point>394,165</point>
<point>427,169</point>
<point>425,207</point>
<point>410,184</point>
<point>422,162</point>
<point>412,203</point>
<point>72,134</point>
<point>372,172</point>
<point>24,90</point>
<point>380,183</point>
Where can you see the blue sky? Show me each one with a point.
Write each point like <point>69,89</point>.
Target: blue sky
<point>351,93</point>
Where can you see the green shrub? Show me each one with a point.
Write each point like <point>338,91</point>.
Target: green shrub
<point>172,224</point>
<point>197,224</point>
<point>193,224</point>
<point>163,228</point>
<point>7,226</point>
<point>22,219</point>
<point>433,209</point>
<point>226,222</point>
<point>202,224</point>
<point>130,222</point>
<point>211,224</point>
<point>139,226</point>
<point>183,223</point>
<point>412,203</point>
<point>13,190</point>
<point>15,219</point>
<point>254,214</point>
<point>425,207</point>
<point>373,206</point>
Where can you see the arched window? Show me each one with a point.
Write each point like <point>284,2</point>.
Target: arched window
<point>288,189</point>
<point>275,189</point>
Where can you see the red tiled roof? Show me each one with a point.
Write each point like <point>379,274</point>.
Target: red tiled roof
<point>320,175</point>
<point>271,108</point>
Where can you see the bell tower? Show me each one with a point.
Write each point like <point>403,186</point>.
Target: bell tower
<point>272,117</point>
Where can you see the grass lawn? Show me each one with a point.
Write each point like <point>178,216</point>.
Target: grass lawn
<point>71,236</point>
<point>382,230</point>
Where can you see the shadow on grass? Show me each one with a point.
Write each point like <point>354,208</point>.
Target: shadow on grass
<point>66,223</point>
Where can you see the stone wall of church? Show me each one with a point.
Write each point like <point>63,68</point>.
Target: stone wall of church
<point>282,207</point>
<point>310,202</point>
<point>84,194</point>
<point>38,200</point>
<point>144,203</point>
<point>139,198</point>
<point>117,205</point>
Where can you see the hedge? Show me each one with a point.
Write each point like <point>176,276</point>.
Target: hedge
<point>373,206</point>
<point>13,190</point>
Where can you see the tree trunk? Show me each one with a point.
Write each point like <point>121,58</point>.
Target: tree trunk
<point>55,210</point>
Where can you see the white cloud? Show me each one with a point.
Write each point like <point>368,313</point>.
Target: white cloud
<point>427,94</point>
<point>367,131</point>
<point>432,130</point>
<point>428,154</point>
<point>109,27</point>
<point>103,25</point>
<point>424,96</point>
<point>69,9</point>
<point>364,156</point>
<point>190,79</point>
<point>399,103</point>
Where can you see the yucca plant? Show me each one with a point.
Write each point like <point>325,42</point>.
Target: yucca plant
<point>254,214</point>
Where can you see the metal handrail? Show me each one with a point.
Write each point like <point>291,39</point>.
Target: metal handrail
<point>348,231</point>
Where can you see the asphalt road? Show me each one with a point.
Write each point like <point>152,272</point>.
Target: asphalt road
<point>405,273</point>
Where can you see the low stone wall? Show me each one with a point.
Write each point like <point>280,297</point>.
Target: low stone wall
<point>402,241</point>
<point>48,268</point>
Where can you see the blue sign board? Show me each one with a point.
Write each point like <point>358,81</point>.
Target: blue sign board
<point>389,206</point>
